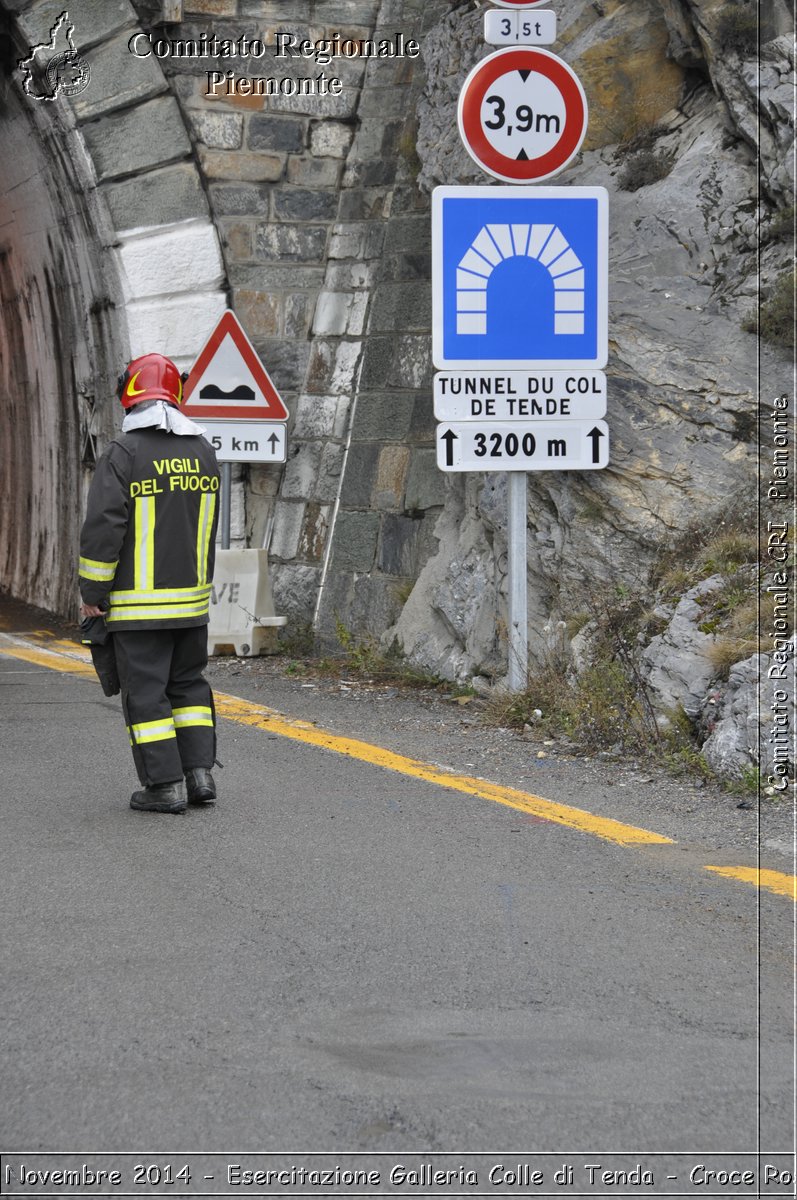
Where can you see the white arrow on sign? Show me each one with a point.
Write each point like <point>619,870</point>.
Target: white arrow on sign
<point>247,441</point>
<point>504,446</point>
<point>519,395</point>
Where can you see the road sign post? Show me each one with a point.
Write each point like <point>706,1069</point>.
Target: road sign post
<point>520,287</point>
<point>517,556</point>
<point>225,513</point>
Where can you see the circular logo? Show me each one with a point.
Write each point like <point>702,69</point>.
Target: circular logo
<point>522,114</point>
<point>67,74</point>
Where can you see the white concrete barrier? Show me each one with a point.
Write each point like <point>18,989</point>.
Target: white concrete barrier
<point>241,605</point>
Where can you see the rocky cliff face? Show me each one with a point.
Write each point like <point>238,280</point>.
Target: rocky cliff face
<point>691,132</point>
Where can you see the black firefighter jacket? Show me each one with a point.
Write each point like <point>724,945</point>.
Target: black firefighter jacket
<point>147,546</point>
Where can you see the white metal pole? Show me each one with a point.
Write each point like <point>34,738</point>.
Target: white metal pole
<point>226,504</point>
<point>518,588</point>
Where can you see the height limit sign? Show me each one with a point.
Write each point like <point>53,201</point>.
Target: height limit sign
<point>522,114</point>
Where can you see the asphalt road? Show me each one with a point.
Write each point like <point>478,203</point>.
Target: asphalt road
<point>343,957</point>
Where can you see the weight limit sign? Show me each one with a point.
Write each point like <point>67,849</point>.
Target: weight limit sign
<point>522,114</point>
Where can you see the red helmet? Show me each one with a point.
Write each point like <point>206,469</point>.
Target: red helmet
<point>150,377</point>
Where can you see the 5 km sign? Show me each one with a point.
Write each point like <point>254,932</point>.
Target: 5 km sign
<point>229,391</point>
<point>247,441</point>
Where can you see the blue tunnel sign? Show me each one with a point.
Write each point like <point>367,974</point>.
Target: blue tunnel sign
<point>520,277</point>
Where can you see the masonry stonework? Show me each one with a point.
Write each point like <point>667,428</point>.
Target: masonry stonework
<point>325,242</point>
<point>302,214</point>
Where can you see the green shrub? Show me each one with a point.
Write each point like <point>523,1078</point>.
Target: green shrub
<point>644,138</point>
<point>781,226</point>
<point>727,651</point>
<point>364,657</point>
<point>776,318</point>
<point>645,167</point>
<point>608,707</point>
<point>605,706</point>
<point>737,29</point>
<point>774,321</point>
<point>745,427</point>
<point>728,550</point>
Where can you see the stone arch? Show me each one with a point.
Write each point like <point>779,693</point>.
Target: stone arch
<point>107,250</point>
<point>497,242</point>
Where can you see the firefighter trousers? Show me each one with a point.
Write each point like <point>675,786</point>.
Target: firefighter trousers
<point>166,700</point>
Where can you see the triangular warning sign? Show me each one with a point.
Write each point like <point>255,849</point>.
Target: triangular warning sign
<point>228,380</point>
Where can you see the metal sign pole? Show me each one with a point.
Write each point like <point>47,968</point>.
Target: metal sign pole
<point>226,498</point>
<point>518,584</point>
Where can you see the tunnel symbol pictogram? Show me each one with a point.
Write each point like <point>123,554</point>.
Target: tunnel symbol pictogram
<point>544,243</point>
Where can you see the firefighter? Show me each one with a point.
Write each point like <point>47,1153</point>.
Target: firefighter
<point>147,551</point>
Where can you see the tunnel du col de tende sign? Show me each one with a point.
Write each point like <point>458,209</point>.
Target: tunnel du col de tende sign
<point>519,327</point>
<point>230,392</point>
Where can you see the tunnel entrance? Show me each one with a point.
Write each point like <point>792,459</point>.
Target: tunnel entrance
<point>61,339</point>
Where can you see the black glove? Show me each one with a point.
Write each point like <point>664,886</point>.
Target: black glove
<point>94,633</point>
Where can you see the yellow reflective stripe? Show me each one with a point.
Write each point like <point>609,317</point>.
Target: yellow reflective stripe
<point>200,561</point>
<point>207,507</point>
<point>90,568</point>
<point>162,595</point>
<point>153,731</point>
<point>143,739</point>
<point>144,549</point>
<point>98,562</point>
<point>186,608</point>
<point>192,716</point>
<point>157,612</point>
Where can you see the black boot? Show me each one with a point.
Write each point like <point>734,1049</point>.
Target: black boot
<point>160,797</point>
<point>201,788</point>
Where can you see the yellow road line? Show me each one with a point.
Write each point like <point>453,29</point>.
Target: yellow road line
<point>772,881</point>
<point>55,661</point>
<point>49,641</point>
<point>69,657</point>
<point>260,717</point>
<point>257,716</point>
